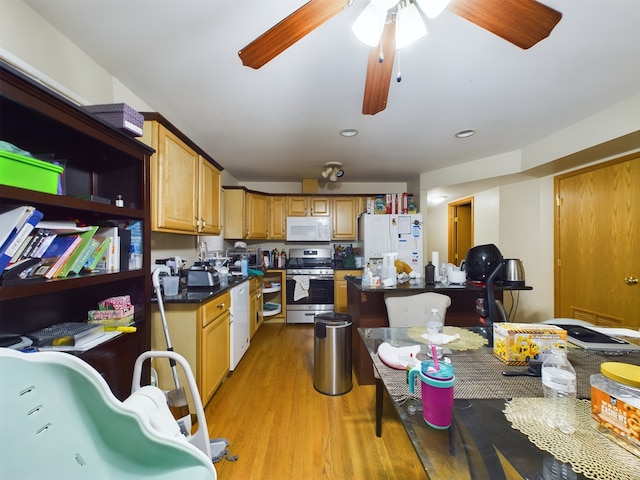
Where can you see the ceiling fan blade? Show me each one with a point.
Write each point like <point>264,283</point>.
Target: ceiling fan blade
<point>288,31</point>
<point>376,88</point>
<point>521,22</point>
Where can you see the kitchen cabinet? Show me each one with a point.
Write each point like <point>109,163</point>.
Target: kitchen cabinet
<point>185,182</point>
<point>102,161</point>
<point>257,215</point>
<point>345,218</point>
<point>340,289</point>
<point>256,317</point>
<point>308,206</point>
<point>246,214</point>
<point>273,293</point>
<point>277,218</point>
<point>201,334</point>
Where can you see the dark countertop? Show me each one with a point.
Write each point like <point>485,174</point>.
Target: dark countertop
<point>418,285</point>
<point>200,294</point>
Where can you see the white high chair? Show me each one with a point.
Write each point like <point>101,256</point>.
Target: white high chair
<point>59,419</point>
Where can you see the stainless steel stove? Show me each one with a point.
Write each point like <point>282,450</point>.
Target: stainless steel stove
<point>309,284</point>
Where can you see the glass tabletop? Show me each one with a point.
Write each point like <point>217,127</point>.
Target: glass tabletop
<point>480,443</point>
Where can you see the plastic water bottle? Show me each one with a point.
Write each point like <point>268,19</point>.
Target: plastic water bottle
<point>435,328</point>
<point>559,386</point>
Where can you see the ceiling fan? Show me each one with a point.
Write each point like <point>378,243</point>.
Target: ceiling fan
<point>520,22</point>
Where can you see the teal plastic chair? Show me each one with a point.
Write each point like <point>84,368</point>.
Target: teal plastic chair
<point>59,419</point>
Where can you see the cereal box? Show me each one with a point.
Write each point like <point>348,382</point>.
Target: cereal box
<point>519,343</point>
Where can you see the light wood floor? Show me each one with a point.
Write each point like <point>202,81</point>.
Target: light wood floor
<point>282,428</point>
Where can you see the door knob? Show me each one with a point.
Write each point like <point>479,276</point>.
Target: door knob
<point>631,280</point>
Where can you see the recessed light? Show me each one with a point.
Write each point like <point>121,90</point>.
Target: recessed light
<point>349,132</point>
<point>438,199</point>
<point>465,133</point>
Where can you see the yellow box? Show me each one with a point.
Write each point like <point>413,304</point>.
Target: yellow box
<point>519,343</point>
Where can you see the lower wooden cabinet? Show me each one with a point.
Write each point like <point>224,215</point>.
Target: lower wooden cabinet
<point>340,289</point>
<point>200,333</point>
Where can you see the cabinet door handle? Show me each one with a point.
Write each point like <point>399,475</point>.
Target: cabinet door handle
<point>631,281</point>
<point>220,306</point>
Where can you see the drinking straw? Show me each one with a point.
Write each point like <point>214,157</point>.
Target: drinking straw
<point>434,354</point>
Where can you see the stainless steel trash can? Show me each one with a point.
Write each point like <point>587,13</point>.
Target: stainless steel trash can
<point>332,353</point>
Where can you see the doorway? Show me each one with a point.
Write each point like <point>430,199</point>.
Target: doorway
<point>460,230</point>
<point>597,233</point>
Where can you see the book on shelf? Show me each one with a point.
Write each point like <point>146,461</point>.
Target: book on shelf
<point>56,255</point>
<point>99,255</point>
<point>85,240</point>
<point>87,251</point>
<point>11,219</point>
<point>15,240</point>
<point>110,261</point>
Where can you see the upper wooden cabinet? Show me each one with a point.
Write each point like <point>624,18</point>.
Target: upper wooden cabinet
<point>246,214</point>
<point>210,195</point>
<point>277,218</point>
<point>260,216</point>
<point>185,183</point>
<point>308,206</point>
<point>257,215</point>
<point>345,218</point>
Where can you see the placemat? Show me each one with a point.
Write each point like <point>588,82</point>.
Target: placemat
<point>588,451</point>
<point>479,375</point>
<point>467,340</point>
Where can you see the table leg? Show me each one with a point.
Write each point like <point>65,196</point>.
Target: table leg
<point>379,400</point>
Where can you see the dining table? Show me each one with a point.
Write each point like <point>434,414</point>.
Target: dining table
<point>497,427</point>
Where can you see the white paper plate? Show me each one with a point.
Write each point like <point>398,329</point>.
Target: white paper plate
<point>397,357</point>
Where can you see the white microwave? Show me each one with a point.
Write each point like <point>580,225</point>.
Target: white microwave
<point>308,229</point>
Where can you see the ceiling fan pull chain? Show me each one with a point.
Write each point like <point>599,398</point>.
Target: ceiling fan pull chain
<point>399,73</point>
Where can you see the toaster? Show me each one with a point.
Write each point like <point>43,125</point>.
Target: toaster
<point>202,278</point>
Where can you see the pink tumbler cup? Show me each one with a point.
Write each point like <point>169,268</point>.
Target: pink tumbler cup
<point>437,392</point>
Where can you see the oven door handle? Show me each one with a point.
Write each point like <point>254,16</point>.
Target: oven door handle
<point>312,277</point>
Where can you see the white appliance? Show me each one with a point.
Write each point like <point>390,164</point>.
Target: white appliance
<point>239,335</point>
<point>399,233</point>
<point>308,229</point>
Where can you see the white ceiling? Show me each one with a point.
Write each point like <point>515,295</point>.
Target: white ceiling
<point>281,122</point>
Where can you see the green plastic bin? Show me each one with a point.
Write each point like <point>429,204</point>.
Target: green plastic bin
<point>29,173</point>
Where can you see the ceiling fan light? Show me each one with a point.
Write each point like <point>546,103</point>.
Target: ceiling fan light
<point>433,8</point>
<point>369,25</point>
<point>410,26</point>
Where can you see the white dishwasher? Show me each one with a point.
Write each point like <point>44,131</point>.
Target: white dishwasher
<point>239,337</point>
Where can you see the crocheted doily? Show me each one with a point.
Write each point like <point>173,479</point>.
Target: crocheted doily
<point>467,340</point>
<point>588,451</point>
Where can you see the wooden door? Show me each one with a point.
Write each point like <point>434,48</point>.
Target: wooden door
<point>597,242</point>
<point>460,230</point>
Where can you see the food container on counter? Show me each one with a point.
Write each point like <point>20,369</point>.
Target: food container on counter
<point>615,403</point>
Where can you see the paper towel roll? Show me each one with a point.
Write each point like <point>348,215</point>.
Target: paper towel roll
<point>435,259</point>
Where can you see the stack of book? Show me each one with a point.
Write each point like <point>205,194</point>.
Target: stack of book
<point>62,248</point>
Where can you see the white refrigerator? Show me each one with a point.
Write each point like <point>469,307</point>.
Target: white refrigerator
<point>399,233</point>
